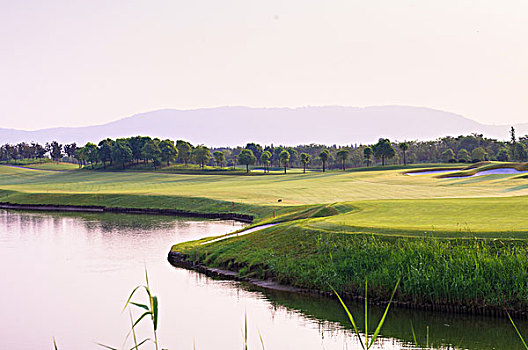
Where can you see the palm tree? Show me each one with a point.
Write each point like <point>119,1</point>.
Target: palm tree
<point>367,154</point>
<point>342,156</point>
<point>219,158</point>
<point>265,159</point>
<point>284,157</point>
<point>305,159</point>
<point>404,146</point>
<point>324,155</point>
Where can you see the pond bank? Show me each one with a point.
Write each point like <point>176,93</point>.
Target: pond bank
<point>177,259</point>
<point>104,209</point>
<point>469,276</point>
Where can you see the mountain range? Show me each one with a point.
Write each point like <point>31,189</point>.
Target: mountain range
<point>231,126</point>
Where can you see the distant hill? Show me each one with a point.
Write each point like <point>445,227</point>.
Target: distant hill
<point>228,126</point>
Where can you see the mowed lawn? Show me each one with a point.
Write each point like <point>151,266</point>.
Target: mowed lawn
<point>454,218</point>
<point>385,201</point>
<point>293,189</point>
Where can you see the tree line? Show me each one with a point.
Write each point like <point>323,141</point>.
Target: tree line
<point>127,152</point>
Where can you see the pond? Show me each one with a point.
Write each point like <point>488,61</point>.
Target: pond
<point>68,276</point>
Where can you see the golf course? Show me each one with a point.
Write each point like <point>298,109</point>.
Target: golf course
<point>454,242</point>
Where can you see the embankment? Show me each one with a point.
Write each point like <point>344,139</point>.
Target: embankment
<point>103,209</point>
<point>475,276</point>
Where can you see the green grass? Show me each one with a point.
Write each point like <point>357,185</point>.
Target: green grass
<point>452,240</point>
<point>293,189</point>
<point>461,272</point>
<point>501,217</point>
<point>42,164</point>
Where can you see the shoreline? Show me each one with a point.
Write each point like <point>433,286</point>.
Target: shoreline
<point>179,260</point>
<point>120,210</point>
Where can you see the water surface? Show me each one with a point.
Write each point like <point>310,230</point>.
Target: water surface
<point>68,276</point>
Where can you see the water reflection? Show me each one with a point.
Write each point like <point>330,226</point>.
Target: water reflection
<point>68,275</point>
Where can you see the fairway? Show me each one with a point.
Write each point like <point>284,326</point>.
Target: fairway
<point>454,218</point>
<point>293,189</point>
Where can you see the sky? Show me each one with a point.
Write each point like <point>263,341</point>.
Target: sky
<point>75,63</point>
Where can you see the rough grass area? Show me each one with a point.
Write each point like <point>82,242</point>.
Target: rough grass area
<point>462,272</point>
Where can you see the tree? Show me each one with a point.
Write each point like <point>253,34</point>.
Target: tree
<point>219,158</point>
<point>342,156</point>
<point>513,141</point>
<point>201,155</point>
<point>247,158</point>
<point>151,151</point>
<point>448,156</point>
<point>256,149</point>
<point>40,151</point>
<point>55,151</point>
<point>478,154</point>
<point>90,151</point>
<point>184,151</point>
<point>168,150</point>
<point>294,155</point>
<point>105,151</point>
<point>284,157</point>
<point>520,151</point>
<point>265,160</point>
<point>463,156</point>
<point>503,155</point>
<point>122,152</point>
<point>384,150</point>
<point>69,149</point>
<point>404,146</point>
<point>367,154</point>
<point>80,155</point>
<point>324,155</point>
<point>136,144</point>
<point>305,160</point>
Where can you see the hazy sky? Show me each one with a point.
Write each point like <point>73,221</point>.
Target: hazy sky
<point>71,62</point>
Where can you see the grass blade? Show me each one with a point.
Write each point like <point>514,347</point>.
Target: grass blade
<point>133,329</point>
<point>414,335</point>
<point>106,346</point>
<point>146,276</point>
<point>55,344</point>
<point>245,332</point>
<point>140,318</point>
<point>366,313</point>
<point>143,306</point>
<point>155,312</point>
<point>141,343</point>
<point>380,324</point>
<point>131,295</point>
<point>261,341</point>
<point>351,318</point>
<point>517,330</point>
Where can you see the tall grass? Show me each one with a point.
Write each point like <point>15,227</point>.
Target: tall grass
<point>471,273</point>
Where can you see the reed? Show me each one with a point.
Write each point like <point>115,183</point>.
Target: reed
<point>148,309</point>
<point>367,344</point>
